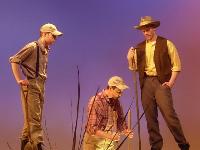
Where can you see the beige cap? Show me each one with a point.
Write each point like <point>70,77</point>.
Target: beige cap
<point>147,21</point>
<point>117,82</point>
<point>50,28</point>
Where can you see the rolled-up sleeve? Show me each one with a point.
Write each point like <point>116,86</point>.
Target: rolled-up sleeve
<point>22,54</point>
<point>173,54</point>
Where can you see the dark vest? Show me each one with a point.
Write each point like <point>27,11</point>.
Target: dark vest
<point>161,59</point>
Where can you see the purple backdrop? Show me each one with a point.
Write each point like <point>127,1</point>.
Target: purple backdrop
<point>97,35</point>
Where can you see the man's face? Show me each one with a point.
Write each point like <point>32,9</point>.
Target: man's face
<point>115,93</point>
<point>50,38</point>
<point>149,33</point>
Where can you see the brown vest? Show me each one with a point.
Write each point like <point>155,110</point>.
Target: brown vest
<point>161,59</point>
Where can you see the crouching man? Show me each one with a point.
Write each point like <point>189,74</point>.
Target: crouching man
<point>105,117</point>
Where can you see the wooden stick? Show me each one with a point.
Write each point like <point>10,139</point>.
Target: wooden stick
<point>129,127</point>
<point>134,63</point>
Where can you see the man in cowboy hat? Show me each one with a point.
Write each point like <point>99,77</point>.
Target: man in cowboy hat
<point>32,59</point>
<point>157,61</point>
<point>105,117</point>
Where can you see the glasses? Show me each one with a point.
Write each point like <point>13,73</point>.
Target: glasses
<point>117,90</point>
<point>54,36</point>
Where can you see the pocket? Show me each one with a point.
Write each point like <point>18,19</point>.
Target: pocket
<point>165,87</point>
<point>90,139</point>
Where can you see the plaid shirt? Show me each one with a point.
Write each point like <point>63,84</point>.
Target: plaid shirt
<point>98,113</point>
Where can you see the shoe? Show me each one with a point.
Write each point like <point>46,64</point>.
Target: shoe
<point>184,146</point>
<point>23,143</point>
<point>39,146</point>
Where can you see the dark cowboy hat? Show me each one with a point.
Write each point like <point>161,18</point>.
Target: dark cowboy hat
<point>147,21</point>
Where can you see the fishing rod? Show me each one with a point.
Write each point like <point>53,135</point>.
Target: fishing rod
<point>122,122</point>
<point>145,109</point>
<point>137,106</point>
<point>89,117</point>
<point>129,132</point>
<point>133,63</point>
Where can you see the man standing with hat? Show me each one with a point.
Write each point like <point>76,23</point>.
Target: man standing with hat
<point>157,61</point>
<point>32,61</point>
<point>106,120</point>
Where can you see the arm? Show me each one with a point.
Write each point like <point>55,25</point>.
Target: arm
<point>95,121</point>
<point>121,122</point>
<point>176,64</point>
<point>16,61</point>
<point>172,80</point>
<point>128,133</point>
<point>17,74</point>
<point>132,59</point>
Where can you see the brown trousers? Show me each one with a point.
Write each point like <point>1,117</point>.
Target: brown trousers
<point>154,96</point>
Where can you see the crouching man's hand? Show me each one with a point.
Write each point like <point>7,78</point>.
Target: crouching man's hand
<point>128,133</point>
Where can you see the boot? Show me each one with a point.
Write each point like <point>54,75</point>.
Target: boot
<point>39,146</point>
<point>23,143</point>
<point>184,146</point>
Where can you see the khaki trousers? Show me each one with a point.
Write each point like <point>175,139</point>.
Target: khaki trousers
<point>34,94</point>
<point>92,142</point>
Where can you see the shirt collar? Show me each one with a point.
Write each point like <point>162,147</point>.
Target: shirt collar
<point>110,101</point>
<point>42,47</point>
<point>152,43</point>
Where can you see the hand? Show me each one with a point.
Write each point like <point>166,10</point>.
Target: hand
<point>168,84</point>
<point>23,82</point>
<point>128,133</point>
<point>115,137</point>
<point>131,53</point>
<point>131,58</point>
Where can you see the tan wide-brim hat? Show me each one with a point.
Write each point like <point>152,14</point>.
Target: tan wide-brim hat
<point>147,21</point>
<point>51,28</point>
<point>118,82</point>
